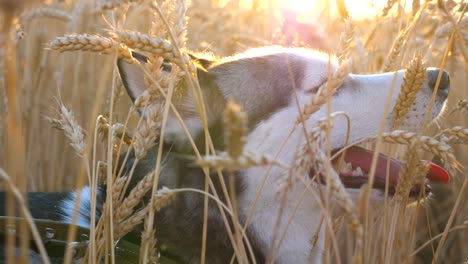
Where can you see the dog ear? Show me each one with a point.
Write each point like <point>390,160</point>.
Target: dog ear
<point>133,77</point>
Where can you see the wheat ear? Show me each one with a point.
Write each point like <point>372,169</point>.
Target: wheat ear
<point>73,131</point>
<point>413,80</point>
<point>153,45</point>
<point>95,43</point>
<point>436,147</point>
<point>235,124</point>
<point>163,197</point>
<point>413,171</point>
<point>387,7</point>
<point>455,135</point>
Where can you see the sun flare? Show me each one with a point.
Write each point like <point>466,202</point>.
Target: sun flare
<point>307,9</point>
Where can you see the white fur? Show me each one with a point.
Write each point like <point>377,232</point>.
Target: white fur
<point>68,204</point>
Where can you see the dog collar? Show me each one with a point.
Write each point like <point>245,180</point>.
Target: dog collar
<point>54,235</point>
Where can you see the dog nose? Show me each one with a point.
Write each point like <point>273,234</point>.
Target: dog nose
<point>444,83</point>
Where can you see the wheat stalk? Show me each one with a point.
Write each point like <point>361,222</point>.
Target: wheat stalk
<point>413,81</point>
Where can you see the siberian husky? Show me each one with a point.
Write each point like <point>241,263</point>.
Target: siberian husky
<point>272,85</point>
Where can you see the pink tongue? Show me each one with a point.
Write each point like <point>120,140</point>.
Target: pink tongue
<point>360,157</point>
<point>437,173</point>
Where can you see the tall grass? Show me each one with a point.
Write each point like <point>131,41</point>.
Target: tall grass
<point>57,66</point>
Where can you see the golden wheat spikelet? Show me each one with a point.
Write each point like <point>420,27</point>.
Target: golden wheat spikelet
<point>94,43</point>
<point>395,52</point>
<point>346,40</point>
<point>117,189</point>
<point>413,80</point>
<point>224,161</point>
<point>235,124</point>
<point>86,42</point>
<point>117,130</point>
<point>413,171</point>
<point>320,98</point>
<point>436,147</point>
<point>456,134</point>
<point>154,45</point>
<point>163,198</point>
<point>148,130</point>
<point>462,106</point>
<point>73,131</point>
<point>388,6</point>
<point>126,207</point>
<point>175,13</point>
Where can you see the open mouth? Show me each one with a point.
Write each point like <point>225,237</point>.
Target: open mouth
<point>354,171</point>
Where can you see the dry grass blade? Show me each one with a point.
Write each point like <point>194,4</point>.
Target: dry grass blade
<point>71,128</point>
<point>413,80</point>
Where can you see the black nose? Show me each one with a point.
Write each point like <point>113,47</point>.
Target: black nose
<point>444,83</point>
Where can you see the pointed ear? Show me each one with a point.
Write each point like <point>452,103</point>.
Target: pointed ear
<point>133,78</point>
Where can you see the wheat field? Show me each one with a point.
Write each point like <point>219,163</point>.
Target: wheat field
<point>65,116</point>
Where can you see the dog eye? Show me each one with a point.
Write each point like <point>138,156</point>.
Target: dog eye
<point>314,88</point>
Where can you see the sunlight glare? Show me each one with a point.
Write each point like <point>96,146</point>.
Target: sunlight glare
<point>309,8</point>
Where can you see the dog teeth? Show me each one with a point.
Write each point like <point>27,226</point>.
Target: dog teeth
<point>346,168</point>
<point>357,172</point>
